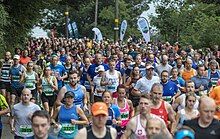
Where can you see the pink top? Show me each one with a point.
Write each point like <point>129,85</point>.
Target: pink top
<point>124,113</point>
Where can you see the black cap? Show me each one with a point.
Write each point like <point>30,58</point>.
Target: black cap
<point>69,94</point>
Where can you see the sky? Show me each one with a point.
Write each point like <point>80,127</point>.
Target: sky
<point>38,32</point>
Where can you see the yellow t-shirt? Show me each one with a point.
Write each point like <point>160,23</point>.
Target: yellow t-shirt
<point>3,102</point>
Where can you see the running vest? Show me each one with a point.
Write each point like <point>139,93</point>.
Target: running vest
<point>65,115</point>
<point>5,77</point>
<point>46,87</point>
<point>140,132</point>
<point>15,75</point>
<point>161,112</point>
<point>114,80</point>
<point>124,113</point>
<point>84,81</point>
<point>79,94</point>
<point>213,77</point>
<point>111,116</point>
<point>90,134</point>
<point>30,79</point>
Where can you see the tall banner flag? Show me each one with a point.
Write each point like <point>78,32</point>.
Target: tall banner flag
<point>98,35</point>
<point>144,28</point>
<point>75,30</point>
<point>70,29</point>
<point>123,29</point>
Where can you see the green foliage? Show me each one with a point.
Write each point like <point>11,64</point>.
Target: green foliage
<point>22,16</point>
<point>3,23</point>
<point>83,13</point>
<point>188,22</point>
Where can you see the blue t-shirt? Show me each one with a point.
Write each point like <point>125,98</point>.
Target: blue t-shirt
<point>169,88</point>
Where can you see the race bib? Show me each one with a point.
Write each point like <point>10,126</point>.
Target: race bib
<point>25,129</point>
<point>68,128</point>
<point>124,116</point>
<point>15,78</point>
<point>29,85</point>
<point>48,92</point>
<point>167,98</point>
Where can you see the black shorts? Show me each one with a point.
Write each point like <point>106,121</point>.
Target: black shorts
<point>16,91</point>
<point>49,99</point>
<point>34,93</point>
<point>5,85</point>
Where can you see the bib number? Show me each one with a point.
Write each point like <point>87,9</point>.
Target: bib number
<point>68,128</point>
<point>25,129</point>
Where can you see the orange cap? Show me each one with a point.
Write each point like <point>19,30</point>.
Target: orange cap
<point>99,108</point>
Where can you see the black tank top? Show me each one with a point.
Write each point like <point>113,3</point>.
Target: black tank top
<point>90,134</point>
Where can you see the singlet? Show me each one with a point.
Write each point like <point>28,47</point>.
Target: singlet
<point>46,87</point>
<point>5,77</point>
<point>90,134</point>
<point>114,80</point>
<point>140,132</point>
<point>187,75</point>
<point>98,88</point>
<point>183,117</point>
<point>79,94</point>
<point>30,79</point>
<point>111,116</point>
<point>65,115</point>
<point>15,73</point>
<point>161,112</point>
<point>84,81</point>
<point>124,113</point>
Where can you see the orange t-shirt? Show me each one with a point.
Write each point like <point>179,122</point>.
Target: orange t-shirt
<point>187,75</point>
<point>24,60</point>
<point>215,94</point>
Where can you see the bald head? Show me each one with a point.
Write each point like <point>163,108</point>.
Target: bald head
<point>207,109</point>
<point>206,102</point>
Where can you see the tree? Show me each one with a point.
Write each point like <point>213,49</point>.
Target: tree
<point>188,22</point>
<point>82,12</point>
<point>22,16</point>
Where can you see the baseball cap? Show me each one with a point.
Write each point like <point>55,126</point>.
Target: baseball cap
<point>16,57</point>
<point>100,68</point>
<point>149,67</point>
<point>69,94</point>
<point>99,108</point>
<point>184,133</point>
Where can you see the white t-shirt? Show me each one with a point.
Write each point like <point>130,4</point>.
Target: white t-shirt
<point>22,114</point>
<point>144,85</point>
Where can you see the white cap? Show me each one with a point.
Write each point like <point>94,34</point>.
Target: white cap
<point>149,67</point>
<point>100,68</point>
<point>16,57</point>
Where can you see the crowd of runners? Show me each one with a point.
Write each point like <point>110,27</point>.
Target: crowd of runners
<point>133,90</point>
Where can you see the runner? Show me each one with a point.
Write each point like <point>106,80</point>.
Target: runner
<point>98,129</point>
<point>69,117</point>
<point>16,72</point>
<point>41,125</point>
<point>111,79</point>
<point>48,87</point>
<point>5,80</point>
<point>21,116</point>
<point>30,79</point>
<point>126,108</point>
<point>136,126</point>
<point>161,108</point>
<point>78,90</point>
